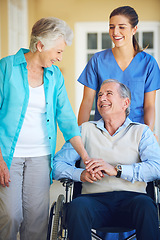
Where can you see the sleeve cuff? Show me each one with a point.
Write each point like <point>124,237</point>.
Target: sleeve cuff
<point>77,174</point>
<point>127,172</point>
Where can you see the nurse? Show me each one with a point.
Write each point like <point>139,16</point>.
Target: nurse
<point>126,62</point>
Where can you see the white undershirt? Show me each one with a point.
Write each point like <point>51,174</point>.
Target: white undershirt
<point>33,138</point>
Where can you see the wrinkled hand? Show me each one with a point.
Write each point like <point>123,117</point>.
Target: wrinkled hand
<point>99,165</point>
<point>89,160</point>
<point>4,174</point>
<point>88,177</point>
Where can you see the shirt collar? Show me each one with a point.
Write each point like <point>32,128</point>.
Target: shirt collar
<point>100,125</point>
<point>19,58</point>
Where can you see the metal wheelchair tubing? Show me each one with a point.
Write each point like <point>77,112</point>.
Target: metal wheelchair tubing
<point>51,220</point>
<point>68,184</point>
<point>57,222</point>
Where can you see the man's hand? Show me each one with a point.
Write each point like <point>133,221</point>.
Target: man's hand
<point>88,177</point>
<point>4,174</point>
<point>99,165</point>
<point>99,174</point>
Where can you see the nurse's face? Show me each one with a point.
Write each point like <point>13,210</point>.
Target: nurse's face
<point>52,55</point>
<point>121,31</point>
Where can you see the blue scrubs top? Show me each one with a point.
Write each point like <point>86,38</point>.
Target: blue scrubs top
<point>141,76</point>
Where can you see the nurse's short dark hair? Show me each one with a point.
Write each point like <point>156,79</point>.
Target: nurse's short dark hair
<point>47,31</point>
<point>123,91</point>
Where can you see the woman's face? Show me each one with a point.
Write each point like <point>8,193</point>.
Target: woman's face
<point>121,31</point>
<point>50,56</point>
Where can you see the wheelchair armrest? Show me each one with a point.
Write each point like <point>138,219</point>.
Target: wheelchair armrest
<point>157,184</point>
<point>66,182</point>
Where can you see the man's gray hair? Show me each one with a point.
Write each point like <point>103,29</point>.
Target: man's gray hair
<point>47,31</point>
<point>123,91</point>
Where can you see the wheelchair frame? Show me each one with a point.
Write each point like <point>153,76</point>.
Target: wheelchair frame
<point>57,228</point>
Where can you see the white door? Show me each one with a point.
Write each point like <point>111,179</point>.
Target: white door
<point>18,25</point>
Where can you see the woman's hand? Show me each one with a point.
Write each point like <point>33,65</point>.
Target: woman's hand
<point>4,173</point>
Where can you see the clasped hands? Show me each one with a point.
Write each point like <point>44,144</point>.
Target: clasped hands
<point>95,170</point>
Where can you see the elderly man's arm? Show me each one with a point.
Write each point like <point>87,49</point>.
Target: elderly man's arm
<point>64,163</point>
<point>149,168</point>
<point>64,166</point>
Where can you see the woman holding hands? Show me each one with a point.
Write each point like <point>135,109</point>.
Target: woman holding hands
<point>33,100</point>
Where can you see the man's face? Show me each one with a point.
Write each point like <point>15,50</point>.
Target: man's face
<point>110,102</point>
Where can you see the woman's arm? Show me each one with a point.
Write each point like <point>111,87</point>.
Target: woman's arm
<point>86,105</point>
<point>79,147</point>
<point>149,109</point>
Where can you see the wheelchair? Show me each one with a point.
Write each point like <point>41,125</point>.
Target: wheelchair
<point>57,225</point>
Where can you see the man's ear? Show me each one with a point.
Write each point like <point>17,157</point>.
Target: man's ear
<point>40,46</point>
<point>126,103</point>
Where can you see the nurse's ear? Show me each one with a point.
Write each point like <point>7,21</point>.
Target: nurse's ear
<point>134,30</point>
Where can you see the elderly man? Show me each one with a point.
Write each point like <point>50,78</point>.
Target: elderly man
<point>114,184</point>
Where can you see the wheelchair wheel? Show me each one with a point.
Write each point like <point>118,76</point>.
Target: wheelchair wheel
<point>57,230</point>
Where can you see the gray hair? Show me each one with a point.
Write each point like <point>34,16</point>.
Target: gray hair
<point>47,31</point>
<point>123,91</point>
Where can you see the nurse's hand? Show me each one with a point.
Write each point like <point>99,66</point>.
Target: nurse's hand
<point>4,174</point>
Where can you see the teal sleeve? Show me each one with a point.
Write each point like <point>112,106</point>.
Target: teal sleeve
<point>1,83</point>
<point>66,118</point>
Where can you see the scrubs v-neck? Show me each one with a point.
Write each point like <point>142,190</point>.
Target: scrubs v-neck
<point>142,75</point>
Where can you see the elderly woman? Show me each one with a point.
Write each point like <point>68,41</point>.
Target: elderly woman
<point>33,99</point>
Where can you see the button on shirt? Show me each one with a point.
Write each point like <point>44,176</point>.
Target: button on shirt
<point>14,97</point>
<point>33,138</point>
<point>147,170</point>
